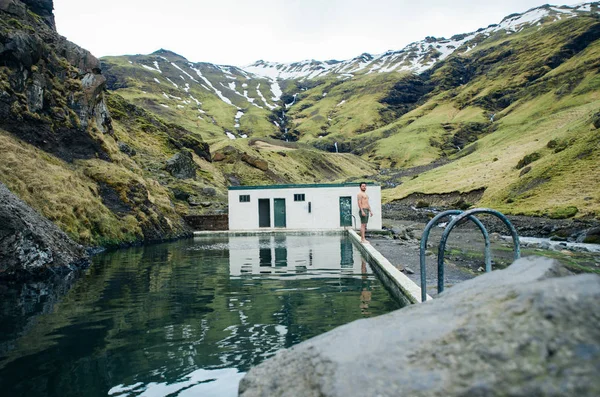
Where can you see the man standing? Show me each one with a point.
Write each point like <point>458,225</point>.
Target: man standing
<point>364,210</point>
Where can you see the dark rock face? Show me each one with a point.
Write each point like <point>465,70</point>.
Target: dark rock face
<point>182,165</point>
<point>528,330</point>
<point>209,191</point>
<point>592,236</point>
<point>407,92</point>
<point>30,245</point>
<point>51,90</point>
<point>44,9</point>
<point>128,150</point>
<point>596,120</point>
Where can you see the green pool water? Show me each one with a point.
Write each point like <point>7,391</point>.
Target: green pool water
<point>187,318</point>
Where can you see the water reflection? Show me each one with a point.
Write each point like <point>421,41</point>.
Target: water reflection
<point>292,257</point>
<point>187,318</point>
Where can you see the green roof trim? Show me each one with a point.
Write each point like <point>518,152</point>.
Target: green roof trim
<point>297,186</point>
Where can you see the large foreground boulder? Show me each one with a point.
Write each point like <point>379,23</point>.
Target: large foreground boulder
<point>522,331</point>
<point>30,245</point>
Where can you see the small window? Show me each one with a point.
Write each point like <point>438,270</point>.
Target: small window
<point>299,197</point>
<point>244,198</point>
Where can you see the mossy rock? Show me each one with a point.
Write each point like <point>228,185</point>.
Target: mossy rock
<point>422,204</point>
<point>596,120</point>
<point>530,158</point>
<point>461,204</point>
<point>558,144</point>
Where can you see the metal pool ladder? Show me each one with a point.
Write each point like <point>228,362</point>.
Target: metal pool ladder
<point>460,215</point>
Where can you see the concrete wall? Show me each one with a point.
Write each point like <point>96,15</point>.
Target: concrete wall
<point>325,212</point>
<point>208,222</point>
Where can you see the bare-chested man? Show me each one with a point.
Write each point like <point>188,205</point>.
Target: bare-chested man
<point>364,210</point>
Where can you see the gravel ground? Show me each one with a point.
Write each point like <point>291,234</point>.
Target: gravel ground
<point>464,255</point>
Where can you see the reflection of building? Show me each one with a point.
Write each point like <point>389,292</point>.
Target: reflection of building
<point>323,206</point>
<point>294,256</point>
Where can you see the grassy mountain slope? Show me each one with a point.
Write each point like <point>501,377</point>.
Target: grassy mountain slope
<point>544,92</point>
<point>201,97</point>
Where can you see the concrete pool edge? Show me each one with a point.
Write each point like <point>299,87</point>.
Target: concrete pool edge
<point>255,232</point>
<point>398,283</point>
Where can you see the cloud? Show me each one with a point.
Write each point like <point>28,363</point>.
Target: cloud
<point>239,32</point>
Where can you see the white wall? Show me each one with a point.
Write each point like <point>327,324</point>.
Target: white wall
<point>325,213</point>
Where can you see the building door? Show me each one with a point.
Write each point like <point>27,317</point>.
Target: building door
<point>279,212</point>
<point>346,211</point>
<point>264,213</point>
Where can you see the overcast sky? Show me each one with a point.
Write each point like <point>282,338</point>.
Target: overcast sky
<point>239,32</point>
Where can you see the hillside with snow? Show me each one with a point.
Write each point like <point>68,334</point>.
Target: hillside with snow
<point>419,56</point>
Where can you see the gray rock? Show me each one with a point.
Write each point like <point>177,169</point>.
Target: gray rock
<point>417,234</point>
<point>209,191</point>
<point>30,245</point>
<point>128,150</point>
<point>182,165</point>
<point>180,194</point>
<point>522,331</point>
<point>592,236</point>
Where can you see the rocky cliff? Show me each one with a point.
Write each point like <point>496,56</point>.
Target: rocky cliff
<point>51,91</point>
<point>30,245</point>
<point>60,151</point>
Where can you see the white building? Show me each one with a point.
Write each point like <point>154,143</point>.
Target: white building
<point>320,206</point>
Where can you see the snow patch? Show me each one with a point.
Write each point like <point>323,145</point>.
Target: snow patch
<point>195,100</point>
<point>170,81</point>
<point>219,94</point>
<point>184,72</point>
<point>151,68</point>
<point>276,90</point>
<point>263,98</point>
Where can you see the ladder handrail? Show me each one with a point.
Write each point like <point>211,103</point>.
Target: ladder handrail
<point>423,247</point>
<point>469,214</point>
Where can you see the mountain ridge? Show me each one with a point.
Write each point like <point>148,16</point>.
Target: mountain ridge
<point>414,57</point>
